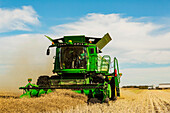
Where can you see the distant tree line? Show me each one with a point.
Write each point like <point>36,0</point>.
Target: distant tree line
<point>144,87</point>
<point>140,87</point>
<point>130,86</point>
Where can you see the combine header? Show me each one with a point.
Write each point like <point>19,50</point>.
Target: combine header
<point>79,67</point>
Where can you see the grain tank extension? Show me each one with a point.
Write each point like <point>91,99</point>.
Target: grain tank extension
<point>79,66</point>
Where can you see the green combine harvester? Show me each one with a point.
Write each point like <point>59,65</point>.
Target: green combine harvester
<point>79,67</point>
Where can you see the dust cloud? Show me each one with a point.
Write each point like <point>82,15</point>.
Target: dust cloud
<point>28,60</point>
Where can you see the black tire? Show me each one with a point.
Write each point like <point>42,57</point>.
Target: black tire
<point>55,80</point>
<point>94,100</point>
<point>98,78</point>
<point>118,92</point>
<point>55,77</point>
<point>107,101</point>
<point>43,81</point>
<point>113,89</point>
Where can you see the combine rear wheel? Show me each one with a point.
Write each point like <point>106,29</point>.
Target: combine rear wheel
<point>113,90</point>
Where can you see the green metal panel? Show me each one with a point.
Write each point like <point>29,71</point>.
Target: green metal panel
<point>49,38</point>
<point>92,58</point>
<point>75,39</point>
<point>73,70</point>
<point>57,63</point>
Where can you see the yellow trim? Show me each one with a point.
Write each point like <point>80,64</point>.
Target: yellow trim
<point>115,92</point>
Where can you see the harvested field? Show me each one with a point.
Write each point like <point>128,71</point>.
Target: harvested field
<point>131,101</point>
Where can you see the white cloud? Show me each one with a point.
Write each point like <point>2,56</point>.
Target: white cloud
<point>17,19</point>
<point>145,76</point>
<point>132,41</point>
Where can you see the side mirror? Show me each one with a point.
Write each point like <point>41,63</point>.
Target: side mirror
<point>48,51</point>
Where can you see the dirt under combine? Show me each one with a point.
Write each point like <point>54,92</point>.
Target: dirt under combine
<point>78,66</point>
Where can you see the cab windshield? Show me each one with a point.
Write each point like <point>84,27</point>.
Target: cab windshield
<point>73,57</point>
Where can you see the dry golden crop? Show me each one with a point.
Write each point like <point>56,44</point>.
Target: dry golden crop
<point>131,101</point>
<point>56,101</point>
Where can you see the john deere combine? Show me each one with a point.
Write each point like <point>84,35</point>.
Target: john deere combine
<point>79,67</point>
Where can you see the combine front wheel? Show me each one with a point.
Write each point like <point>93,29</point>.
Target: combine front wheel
<point>43,81</point>
<point>107,101</point>
<point>93,100</point>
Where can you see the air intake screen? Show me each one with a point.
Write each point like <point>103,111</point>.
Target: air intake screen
<point>105,40</point>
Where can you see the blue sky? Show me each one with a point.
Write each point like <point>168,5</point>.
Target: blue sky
<point>139,28</point>
<point>58,12</point>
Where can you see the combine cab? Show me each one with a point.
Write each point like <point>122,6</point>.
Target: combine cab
<point>79,67</point>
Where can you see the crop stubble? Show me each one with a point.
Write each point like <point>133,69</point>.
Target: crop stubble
<point>132,101</point>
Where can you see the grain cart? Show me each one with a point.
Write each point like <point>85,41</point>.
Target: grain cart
<point>78,66</point>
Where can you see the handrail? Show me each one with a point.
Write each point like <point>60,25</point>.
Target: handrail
<point>116,65</point>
